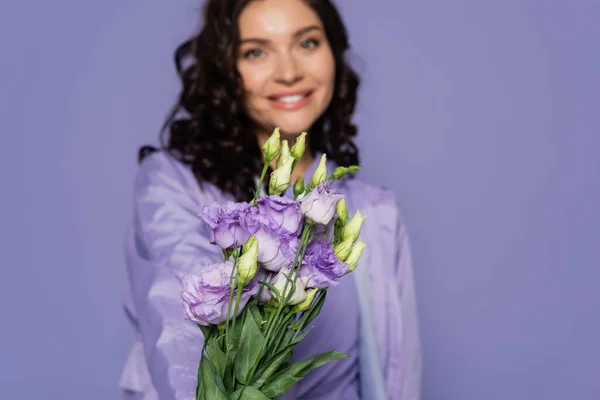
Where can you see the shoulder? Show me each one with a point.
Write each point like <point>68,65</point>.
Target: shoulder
<point>161,166</point>
<point>379,203</point>
<point>162,176</point>
<point>374,197</point>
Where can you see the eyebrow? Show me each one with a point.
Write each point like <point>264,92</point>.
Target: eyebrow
<point>295,35</point>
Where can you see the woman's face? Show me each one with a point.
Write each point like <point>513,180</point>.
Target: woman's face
<point>286,64</point>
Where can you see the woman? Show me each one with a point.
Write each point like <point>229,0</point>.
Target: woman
<point>257,65</point>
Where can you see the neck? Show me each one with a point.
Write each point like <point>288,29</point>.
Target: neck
<point>302,165</point>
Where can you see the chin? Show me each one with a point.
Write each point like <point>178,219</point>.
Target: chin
<point>287,131</point>
<point>293,128</point>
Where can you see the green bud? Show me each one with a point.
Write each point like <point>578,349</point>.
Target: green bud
<point>272,146</point>
<point>280,178</point>
<point>320,174</point>
<point>355,254</point>
<point>299,186</point>
<point>299,146</point>
<point>284,154</point>
<point>342,250</point>
<point>247,264</point>
<point>353,227</point>
<point>340,172</point>
<point>310,296</point>
<point>341,211</point>
<point>249,244</point>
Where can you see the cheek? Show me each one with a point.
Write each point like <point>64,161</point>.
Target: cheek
<point>324,70</point>
<point>253,80</point>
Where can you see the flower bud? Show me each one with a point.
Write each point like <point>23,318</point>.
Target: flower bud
<point>342,250</point>
<point>272,146</point>
<point>299,146</point>
<point>353,227</point>
<point>340,172</point>
<point>248,262</point>
<point>279,282</point>
<point>280,178</point>
<point>299,186</point>
<point>250,243</point>
<point>342,211</point>
<point>320,174</point>
<point>355,254</point>
<point>284,154</point>
<point>310,296</point>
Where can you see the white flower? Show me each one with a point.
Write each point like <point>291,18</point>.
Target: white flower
<point>320,203</point>
<point>279,282</point>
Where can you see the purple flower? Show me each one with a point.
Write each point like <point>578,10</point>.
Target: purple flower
<point>319,205</point>
<point>284,211</point>
<point>276,245</point>
<point>321,266</point>
<point>223,220</point>
<point>205,294</point>
<point>325,232</point>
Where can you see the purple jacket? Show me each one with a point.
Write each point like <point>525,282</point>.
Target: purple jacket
<point>167,241</point>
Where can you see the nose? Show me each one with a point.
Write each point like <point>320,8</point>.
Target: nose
<point>288,70</point>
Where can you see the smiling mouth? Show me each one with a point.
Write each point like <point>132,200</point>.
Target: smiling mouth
<point>291,101</point>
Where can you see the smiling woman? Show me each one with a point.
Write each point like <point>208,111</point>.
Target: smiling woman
<point>255,66</point>
<point>248,67</point>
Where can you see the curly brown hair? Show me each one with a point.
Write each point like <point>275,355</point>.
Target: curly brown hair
<point>215,136</point>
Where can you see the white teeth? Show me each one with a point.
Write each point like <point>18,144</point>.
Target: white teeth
<point>290,99</point>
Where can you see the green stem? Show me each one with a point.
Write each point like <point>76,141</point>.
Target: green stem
<point>260,183</point>
<point>274,316</point>
<point>238,296</point>
<point>229,306</point>
<point>307,313</point>
<point>227,321</point>
<point>284,296</point>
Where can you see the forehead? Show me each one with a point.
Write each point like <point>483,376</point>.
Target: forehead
<point>276,18</point>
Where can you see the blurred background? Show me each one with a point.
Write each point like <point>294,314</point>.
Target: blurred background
<point>482,115</point>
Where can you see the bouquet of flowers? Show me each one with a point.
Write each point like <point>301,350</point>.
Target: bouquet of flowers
<point>280,258</point>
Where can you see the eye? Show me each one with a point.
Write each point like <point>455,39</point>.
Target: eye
<point>309,43</point>
<point>253,53</point>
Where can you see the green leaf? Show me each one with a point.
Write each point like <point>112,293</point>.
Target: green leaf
<point>273,365</point>
<point>284,380</point>
<point>249,393</point>
<point>300,337</point>
<point>257,316</point>
<point>207,381</point>
<point>272,288</point>
<point>251,342</point>
<point>314,310</point>
<point>228,378</point>
<point>216,356</point>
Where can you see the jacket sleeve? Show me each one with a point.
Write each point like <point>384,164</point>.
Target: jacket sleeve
<point>168,242</point>
<point>408,359</point>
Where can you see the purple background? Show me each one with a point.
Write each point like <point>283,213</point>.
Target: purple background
<point>482,115</point>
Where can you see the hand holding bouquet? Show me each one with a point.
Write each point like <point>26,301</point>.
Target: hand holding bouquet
<point>280,258</point>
